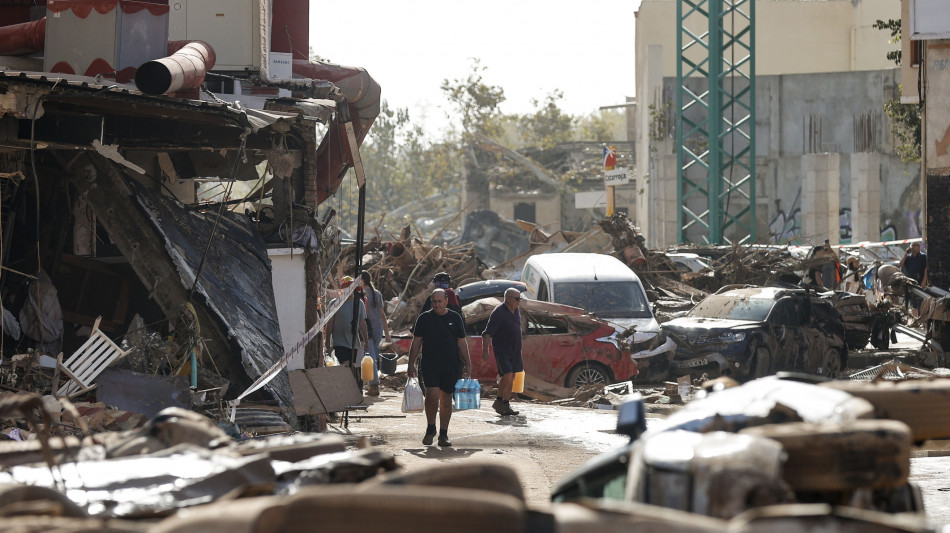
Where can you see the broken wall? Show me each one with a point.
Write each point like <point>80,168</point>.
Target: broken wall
<point>798,114</point>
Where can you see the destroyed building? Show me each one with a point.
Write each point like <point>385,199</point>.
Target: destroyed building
<point>108,135</point>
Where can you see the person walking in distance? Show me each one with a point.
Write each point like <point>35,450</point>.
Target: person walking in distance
<point>440,337</point>
<point>377,318</point>
<point>340,330</point>
<point>914,264</point>
<point>503,333</point>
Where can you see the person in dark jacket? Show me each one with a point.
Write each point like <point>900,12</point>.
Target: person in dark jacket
<point>503,334</point>
<point>442,280</point>
<point>914,264</point>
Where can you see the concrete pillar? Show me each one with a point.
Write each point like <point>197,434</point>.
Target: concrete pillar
<point>821,199</point>
<point>865,197</point>
<point>664,203</point>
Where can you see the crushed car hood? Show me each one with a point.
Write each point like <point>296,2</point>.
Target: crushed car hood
<point>646,328</point>
<point>683,323</point>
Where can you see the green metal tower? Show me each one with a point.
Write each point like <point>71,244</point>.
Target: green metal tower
<point>715,120</point>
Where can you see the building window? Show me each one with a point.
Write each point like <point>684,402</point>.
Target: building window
<point>525,211</point>
<point>220,85</point>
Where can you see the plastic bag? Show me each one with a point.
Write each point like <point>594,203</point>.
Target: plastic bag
<point>412,399</point>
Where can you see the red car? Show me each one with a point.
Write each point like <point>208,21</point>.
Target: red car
<point>560,344</point>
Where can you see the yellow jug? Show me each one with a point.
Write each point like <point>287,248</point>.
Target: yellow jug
<point>366,368</point>
<point>518,385</point>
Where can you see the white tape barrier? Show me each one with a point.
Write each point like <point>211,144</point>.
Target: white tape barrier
<point>866,244</point>
<point>289,354</point>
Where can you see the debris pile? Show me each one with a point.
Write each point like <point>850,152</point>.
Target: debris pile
<point>124,473</point>
<point>858,318</point>
<point>660,276</point>
<point>403,271</point>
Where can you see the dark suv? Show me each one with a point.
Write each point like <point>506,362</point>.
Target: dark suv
<point>752,332</point>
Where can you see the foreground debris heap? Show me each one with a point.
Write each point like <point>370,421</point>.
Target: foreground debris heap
<point>180,472</point>
<point>776,444</point>
<point>175,460</point>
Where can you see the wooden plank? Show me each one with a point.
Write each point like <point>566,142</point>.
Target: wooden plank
<point>548,389</point>
<point>538,396</point>
<point>324,390</point>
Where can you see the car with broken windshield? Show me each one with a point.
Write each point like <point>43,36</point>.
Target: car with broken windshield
<point>751,332</point>
<point>606,288</point>
<point>560,344</point>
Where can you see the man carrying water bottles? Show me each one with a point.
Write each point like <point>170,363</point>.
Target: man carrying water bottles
<point>503,332</point>
<point>440,336</point>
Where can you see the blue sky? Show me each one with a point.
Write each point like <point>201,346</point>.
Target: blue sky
<point>530,48</point>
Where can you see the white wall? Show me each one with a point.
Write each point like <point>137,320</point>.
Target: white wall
<point>290,295</point>
<point>791,37</point>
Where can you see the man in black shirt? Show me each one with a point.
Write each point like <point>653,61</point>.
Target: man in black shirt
<point>440,336</point>
<point>914,264</point>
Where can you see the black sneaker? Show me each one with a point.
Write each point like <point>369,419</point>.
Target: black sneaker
<point>427,440</point>
<point>508,410</point>
<point>444,441</point>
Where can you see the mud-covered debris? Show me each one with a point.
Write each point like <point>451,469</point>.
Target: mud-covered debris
<point>403,270</point>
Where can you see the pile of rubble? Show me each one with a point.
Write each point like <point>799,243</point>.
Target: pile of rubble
<point>403,271</point>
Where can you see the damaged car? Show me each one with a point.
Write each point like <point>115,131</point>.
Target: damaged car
<point>606,288</point>
<point>751,332</point>
<point>560,344</point>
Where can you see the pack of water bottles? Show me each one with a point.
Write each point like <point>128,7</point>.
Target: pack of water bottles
<point>468,394</point>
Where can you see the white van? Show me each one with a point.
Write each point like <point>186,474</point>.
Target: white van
<point>605,288</point>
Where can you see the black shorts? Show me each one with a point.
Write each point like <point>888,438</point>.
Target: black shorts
<point>509,365</point>
<point>345,355</point>
<point>440,378</point>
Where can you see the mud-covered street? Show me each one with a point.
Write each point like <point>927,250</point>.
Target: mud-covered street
<point>543,442</point>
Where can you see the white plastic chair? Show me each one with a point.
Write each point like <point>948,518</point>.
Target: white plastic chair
<point>83,366</point>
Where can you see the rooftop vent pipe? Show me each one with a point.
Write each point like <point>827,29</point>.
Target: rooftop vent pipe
<point>25,38</point>
<point>184,68</point>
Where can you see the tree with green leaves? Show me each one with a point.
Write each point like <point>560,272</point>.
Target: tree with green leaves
<point>548,125</point>
<point>905,118</point>
<point>476,103</point>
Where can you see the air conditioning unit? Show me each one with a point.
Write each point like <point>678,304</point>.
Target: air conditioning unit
<point>234,28</point>
<point>111,38</point>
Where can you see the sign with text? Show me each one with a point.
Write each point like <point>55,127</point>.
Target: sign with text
<point>618,176</point>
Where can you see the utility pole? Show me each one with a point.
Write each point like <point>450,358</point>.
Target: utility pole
<point>715,120</point>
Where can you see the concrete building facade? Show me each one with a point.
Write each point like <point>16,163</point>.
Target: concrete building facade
<point>822,80</point>
<point>925,47</point>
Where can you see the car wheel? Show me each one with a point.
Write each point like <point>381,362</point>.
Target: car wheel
<point>831,368</point>
<point>587,374</point>
<point>761,361</point>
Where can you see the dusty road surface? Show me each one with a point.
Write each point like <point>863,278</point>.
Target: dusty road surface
<point>542,443</point>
